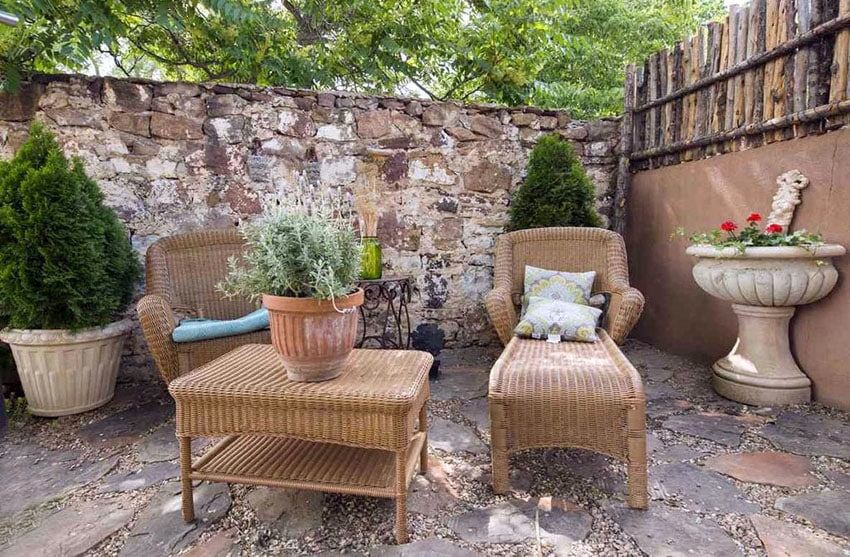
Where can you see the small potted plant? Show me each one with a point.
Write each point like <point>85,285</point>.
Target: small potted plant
<point>67,271</point>
<point>304,259</point>
<point>765,273</point>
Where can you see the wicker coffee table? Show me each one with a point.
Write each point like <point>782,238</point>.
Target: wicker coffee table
<point>363,433</point>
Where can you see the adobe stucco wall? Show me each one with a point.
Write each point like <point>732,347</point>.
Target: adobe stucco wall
<point>173,157</point>
<point>679,317</point>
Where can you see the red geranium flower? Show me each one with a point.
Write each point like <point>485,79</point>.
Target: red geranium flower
<point>773,228</point>
<point>754,217</point>
<point>728,226</point>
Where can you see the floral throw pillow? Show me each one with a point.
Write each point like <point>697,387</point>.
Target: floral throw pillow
<point>568,320</point>
<point>557,285</point>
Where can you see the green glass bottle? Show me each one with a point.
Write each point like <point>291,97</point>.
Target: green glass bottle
<point>371,262</point>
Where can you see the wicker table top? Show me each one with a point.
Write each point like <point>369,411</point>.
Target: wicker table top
<point>374,403</point>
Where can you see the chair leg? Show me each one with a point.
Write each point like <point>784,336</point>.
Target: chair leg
<point>636,423</point>
<point>401,535</point>
<point>498,449</point>
<point>186,479</point>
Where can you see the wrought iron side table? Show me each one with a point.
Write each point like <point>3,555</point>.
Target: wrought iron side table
<point>384,318</point>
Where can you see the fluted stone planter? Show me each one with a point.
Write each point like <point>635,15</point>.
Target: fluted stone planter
<point>67,372</point>
<point>764,284</point>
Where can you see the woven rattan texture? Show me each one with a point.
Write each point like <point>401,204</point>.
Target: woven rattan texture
<point>181,273</point>
<point>374,403</point>
<point>570,249</point>
<point>569,394</point>
<point>328,467</point>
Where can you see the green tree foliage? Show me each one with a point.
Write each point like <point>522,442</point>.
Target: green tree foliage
<point>65,260</point>
<point>557,53</point>
<point>556,191</point>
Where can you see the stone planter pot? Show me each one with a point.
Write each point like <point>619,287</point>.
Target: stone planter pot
<point>313,337</point>
<point>764,285</point>
<point>67,372</point>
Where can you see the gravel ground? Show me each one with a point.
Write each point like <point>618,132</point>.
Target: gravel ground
<point>355,525</point>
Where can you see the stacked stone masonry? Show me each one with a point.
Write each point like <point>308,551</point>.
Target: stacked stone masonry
<point>173,157</point>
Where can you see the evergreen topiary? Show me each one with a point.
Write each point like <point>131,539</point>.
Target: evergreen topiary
<point>65,260</point>
<point>556,192</point>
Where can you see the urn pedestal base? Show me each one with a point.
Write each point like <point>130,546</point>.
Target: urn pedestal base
<point>760,369</point>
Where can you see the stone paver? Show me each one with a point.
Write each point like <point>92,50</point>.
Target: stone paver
<point>32,475</point>
<point>699,489</point>
<point>664,532</point>
<point>432,493</point>
<point>720,428</point>
<point>478,412</point>
<point>659,391</point>
<point>512,522</point>
<point>462,383</point>
<point>128,425</point>
<point>829,510</point>
<point>293,512</point>
<point>677,453</point>
<point>770,468</point>
<point>429,547</point>
<point>841,480</point>
<point>140,479</point>
<point>451,437</point>
<point>663,407</point>
<point>784,539</point>
<point>160,529</point>
<point>162,445</point>
<point>812,435</point>
<point>220,544</point>
<point>72,531</point>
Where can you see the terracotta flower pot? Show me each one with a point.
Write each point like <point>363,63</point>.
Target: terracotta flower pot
<point>67,372</point>
<point>313,337</point>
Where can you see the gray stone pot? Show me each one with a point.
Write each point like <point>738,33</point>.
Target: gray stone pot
<point>764,284</point>
<point>67,372</point>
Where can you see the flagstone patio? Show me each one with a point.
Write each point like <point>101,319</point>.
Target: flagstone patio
<point>725,478</point>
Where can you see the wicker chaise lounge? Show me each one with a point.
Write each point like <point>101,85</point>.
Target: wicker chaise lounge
<point>182,272</point>
<point>570,394</point>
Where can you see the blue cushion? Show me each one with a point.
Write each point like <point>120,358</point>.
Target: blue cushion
<point>192,330</point>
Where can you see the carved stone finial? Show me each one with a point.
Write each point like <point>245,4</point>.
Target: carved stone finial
<point>789,186</point>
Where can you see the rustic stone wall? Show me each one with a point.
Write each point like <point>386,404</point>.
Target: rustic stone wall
<point>172,157</point>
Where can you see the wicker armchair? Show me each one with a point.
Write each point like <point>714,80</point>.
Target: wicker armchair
<point>564,249</point>
<point>569,394</point>
<point>181,273</point>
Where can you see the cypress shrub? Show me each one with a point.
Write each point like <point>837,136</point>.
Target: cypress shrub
<point>556,191</point>
<point>65,260</point>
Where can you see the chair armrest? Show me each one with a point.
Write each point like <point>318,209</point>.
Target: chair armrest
<point>502,313</point>
<point>158,323</point>
<point>623,312</point>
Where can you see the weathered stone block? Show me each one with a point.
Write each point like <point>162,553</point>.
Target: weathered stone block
<point>448,233</point>
<point>295,124</point>
<point>374,124</point>
<point>225,105</point>
<point>228,129</point>
<point>602,129</point>
<point>461,134</point>
<point>223,159</point>
<point>126,95</point>
<point>548,122</point>
<point>179,88</point>
<point>487,177</point>
<point>395,167</point>
<point>414,108</point>
<point>523,119</point>
<point>326,99</point>
<point>76,117</point>
<point>443,114</point>
<point>20,105</point>
<point>135,123</point>
<point>598,149</point>
<point>170,126</point>
<point>574,132</point>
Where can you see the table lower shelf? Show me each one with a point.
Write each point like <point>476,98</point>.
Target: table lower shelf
<point>295,463</point>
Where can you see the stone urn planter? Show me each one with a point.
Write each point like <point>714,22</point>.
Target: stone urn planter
<point>764,285</point>
<point>313,337</point>
<point>67,372</point>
